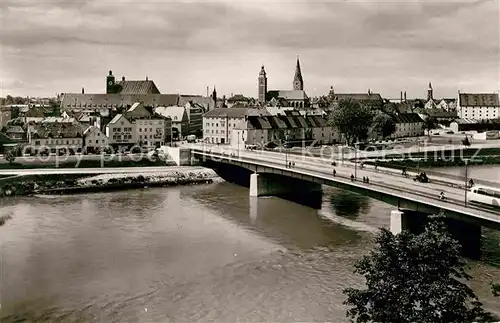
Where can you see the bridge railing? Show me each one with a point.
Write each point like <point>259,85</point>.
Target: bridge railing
<point>397,191</point>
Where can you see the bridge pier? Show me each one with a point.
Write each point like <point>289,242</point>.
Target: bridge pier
<point>467,234</point>
<point>268,185</point>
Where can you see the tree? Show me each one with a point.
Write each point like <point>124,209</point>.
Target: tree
<point>415,278</point>
<point>383,125</point>
<point>429,124</point>
<point>352,120</point>
<point>11,155</point>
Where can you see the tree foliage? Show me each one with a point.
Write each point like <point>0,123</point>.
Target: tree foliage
<point>415,278</point>
<point>11,155</point>
<point>429,124</point>
<point>383,125</point>
<point>352,120</point>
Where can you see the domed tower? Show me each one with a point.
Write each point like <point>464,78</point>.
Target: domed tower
<point>298,82</point>
<point>110,83</point>
<point>262,85</point>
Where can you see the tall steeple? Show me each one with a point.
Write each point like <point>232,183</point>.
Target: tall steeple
<point>262,85</point>
<point>429,93</point>
<point>298,82</point>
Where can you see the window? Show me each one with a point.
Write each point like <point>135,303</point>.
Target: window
<point>150,129</point>
<point>122,123</point>
<point>216,124</point>
<point>150,136</point>
<point>98,134</point>
<point>103,141</point>
<point>37,142</point>
<point>140,136</point>
<point>97,141</point>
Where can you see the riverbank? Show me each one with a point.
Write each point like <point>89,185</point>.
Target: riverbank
<point>79,183</point>
<point>95,162</point>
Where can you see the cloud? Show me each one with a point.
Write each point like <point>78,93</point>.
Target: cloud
<point>186,45</point>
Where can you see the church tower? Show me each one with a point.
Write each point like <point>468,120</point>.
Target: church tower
<point>429,92</point>
<point>110,83</point>
<point>262,85</point>
<point>298,82</point>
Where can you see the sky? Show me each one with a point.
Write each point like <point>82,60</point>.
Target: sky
<point>49,47</point>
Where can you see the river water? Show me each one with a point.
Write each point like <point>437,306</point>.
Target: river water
<point>194,253</point>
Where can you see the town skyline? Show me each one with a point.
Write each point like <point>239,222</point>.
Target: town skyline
<point>60,47</point>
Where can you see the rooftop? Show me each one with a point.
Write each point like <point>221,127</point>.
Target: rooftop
<point>236,112</point>
<point>136,87</point>
<point>479,100</point>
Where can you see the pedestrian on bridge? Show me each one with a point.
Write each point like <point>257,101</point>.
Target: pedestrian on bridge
<point>471,183</point>
<point>352,177</point>
<point>293,164</point>
<point>367,180</point>
<point>334,173</point>
<point>364,179</point>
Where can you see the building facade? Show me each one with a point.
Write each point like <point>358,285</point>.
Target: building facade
<point>179,118</point>
<point>94,140</point>
<point>55,137</point>
<point>218,123</point>
<point>408,125</point>
<point>478,106</point>
<point>280,130</point>
<point>139,126</point>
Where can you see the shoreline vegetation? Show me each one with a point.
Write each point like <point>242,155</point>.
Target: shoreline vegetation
<point>58,184</point>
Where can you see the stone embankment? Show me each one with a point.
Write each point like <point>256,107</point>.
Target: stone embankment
<point>64,184</point>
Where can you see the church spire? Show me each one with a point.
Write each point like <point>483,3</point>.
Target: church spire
<point>298,82</point>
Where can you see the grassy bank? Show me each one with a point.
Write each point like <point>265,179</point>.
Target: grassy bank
<point>89,164</point>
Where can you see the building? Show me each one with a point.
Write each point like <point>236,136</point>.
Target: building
<point>94,140</point>
<point>180,120</point>
<point>467,124</point>
<point>218,123</point>
<point>478,106</point>
<point>55,137</point>
<point>208,103</point>
<point>106,102</point>
<point>441,104</point>
<point>368,99</point>
<point>5,115</point>
<point>296,97</point>
<point>291,129</point>
<point>408,125</point>
<point>129,87</point>
<point>16,132</point>
<point>138,126</point>
<point>195,113</point>
<point>240,100</point>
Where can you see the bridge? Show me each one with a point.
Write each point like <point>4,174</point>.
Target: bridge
<point>270,174</point>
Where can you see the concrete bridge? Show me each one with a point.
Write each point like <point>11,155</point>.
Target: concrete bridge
<point>269,175</point>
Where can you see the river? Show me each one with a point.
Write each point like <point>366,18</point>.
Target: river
<point>193,253</point>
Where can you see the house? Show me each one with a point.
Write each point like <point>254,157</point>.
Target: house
<point>218,123</point>
<point>94,140</point>
<point>180,120</point>
<point>408,125</point>
<point>138,126</point>
<point>16,133</point>
<point>206,102</point>
<point>55,137</point>
<point>478,106</point>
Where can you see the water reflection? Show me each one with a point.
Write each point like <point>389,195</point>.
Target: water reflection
<point>349,205</point>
